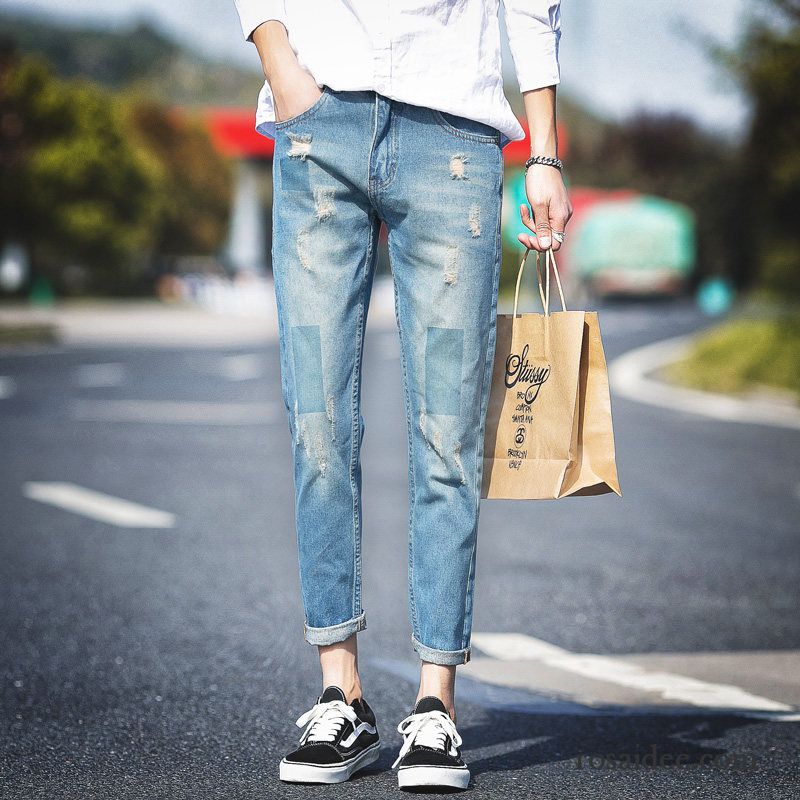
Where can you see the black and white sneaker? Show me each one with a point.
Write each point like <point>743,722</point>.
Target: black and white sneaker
<point>339,740</point>
<point>430,754</point>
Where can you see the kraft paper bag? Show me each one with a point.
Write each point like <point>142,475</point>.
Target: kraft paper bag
<point>548,427</point>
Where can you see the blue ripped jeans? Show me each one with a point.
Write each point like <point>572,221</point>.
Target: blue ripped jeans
<point>350,162</point>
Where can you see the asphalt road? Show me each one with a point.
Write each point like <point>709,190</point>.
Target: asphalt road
<point>168,662</point>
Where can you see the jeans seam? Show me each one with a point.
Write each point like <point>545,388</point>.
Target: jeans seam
<point>356,428</point>
<point>412,486</point>
<point>392,173</point>
<point>279,303</point>
<point>485,392</point>
<point>372,185</point>
<point>478,138</point>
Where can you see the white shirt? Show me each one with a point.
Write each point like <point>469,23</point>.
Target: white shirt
<point>443,54</point>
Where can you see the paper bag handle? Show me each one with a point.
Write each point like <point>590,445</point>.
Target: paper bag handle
<point>544,292</point>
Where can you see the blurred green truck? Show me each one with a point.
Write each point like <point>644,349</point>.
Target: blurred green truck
<point>640,245</point>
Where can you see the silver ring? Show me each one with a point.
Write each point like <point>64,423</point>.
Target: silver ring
<point>559,235</point>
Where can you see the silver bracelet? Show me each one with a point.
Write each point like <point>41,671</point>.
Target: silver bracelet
<point>550,161</point>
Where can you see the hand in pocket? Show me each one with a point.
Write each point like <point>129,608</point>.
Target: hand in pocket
<point>293,93</point>
<point>294,90</point>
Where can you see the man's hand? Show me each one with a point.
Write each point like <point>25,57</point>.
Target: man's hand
<point>294,90</point>
<point>544,185</point>
<point>552,209</point>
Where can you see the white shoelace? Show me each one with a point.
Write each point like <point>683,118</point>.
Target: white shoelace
<point>325,720</point>
<point>430,729</point>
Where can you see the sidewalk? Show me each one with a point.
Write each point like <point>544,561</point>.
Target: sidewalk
<point>155,323</point>
<point>141,323</point>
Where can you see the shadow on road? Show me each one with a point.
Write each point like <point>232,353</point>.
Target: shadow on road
<point>595,742</point>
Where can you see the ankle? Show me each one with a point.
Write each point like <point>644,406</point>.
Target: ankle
<point>339,663</point>
<point>437,680</point>
<point>350,685</point>
<point>353,690</point>
<point>447,701</point>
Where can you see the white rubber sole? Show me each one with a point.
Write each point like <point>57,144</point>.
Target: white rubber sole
<point>453,777</point>
<point>293,772</point>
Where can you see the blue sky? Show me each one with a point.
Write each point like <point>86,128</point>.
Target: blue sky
<point>616,55</point>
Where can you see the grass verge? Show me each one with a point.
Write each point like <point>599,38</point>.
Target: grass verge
<point>32,333</point>
<point>743,355</point>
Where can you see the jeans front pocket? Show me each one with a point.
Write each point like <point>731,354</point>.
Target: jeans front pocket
<point>466,128</point>
<point>307,114</point>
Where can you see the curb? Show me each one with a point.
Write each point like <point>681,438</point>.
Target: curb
<point>629,375</point>
<point>28,333</point>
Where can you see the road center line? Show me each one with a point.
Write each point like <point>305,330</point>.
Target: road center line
<point>99,506</point>
<point>95,376</point>
<point>242,368</point>
<point>176,412</point>
<point>676,688</point>
<point>7,387</point>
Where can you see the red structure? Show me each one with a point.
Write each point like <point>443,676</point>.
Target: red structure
<point>232,131</point>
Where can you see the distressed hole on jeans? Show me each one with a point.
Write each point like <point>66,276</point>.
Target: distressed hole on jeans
<point>323,203</point>
<point>458,166</point>
<point>300,145</point>
<point>307,354</point>
<point>434,442</point>
<point>475,220</point>
<point>329,405</point>
<point>457,459</point>
<point>314,445</point>
<point>303,251</point>
<point>444,357</point>
<point>451,265</point>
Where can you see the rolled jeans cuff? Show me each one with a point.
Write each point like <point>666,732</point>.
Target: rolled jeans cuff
<point>444,657</point>
<point>335,633</point>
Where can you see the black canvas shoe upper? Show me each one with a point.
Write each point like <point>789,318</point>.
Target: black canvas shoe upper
<point>334,731</point>
<point>431,738</point>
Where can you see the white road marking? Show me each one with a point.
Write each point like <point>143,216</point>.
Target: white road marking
<point>671,687</point>
<point>175,412</point>
<point>99,506</point>
<point>94,376</point>
<point>479,691</point>
<point>388,346</point>
<point>629,377</point>
<point>242,368</point>
<point>8,386</point>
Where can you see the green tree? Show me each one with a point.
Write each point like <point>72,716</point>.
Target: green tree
<point>195,180</point>
<point>101,183</point>
<point>75,191</point>
<point>767,64</point>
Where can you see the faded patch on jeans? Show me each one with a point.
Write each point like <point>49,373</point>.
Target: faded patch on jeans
<point>294,168</point>
<point>444,357</point>
<point>307,354</point>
